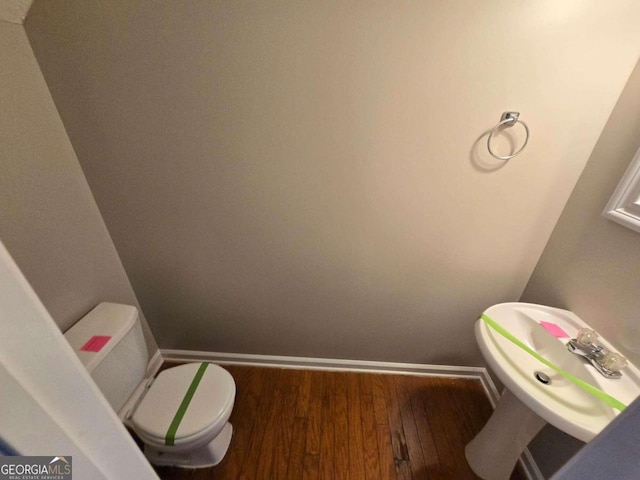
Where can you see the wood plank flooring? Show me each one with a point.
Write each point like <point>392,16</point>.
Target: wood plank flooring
<point>303,424</point>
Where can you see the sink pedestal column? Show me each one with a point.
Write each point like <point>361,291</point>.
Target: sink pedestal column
<point>493,453</point>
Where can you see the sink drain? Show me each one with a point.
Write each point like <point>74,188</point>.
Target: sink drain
<point>542,378</point>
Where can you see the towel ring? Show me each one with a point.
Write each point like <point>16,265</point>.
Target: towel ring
<point>508,118</point>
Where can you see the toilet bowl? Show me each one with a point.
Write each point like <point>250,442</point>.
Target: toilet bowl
<point>181,415</point>
<point>172,429</point>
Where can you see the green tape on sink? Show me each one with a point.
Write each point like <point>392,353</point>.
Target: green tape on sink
<point>587,387</point>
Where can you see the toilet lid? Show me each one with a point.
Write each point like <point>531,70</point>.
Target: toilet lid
<point>184,402</point>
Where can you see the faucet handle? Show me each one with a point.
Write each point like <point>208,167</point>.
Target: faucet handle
<point>586,336</point>
<point>613,361</point>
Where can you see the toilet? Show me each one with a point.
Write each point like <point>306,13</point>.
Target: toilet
<point>181,415</point>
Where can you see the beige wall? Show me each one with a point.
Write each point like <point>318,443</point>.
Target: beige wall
<point>591,265</point>
<point>49,221</point>
<point>304,178</point>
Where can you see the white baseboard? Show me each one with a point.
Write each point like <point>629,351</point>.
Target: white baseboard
<point>323,364</point>
<point>154,364</point>
<point>479,373</point>
<point>530,466</point>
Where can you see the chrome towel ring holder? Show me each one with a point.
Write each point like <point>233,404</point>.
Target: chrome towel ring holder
<point>508,119</point>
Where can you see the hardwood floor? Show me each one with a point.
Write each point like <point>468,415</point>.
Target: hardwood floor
<point>303,424</point>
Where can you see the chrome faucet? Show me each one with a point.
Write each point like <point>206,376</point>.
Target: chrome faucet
<point>607,363</point>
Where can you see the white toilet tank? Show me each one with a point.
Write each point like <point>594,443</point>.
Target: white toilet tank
<point>109,342</point>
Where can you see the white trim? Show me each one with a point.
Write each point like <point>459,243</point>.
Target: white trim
<point>332,364</point>
<point>154,364</point>
<point>479,373</point>
<point>530,466</point>
<point>324,364</point>
<point>624,205</point>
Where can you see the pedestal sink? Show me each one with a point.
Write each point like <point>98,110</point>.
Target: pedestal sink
<point>527,403</point>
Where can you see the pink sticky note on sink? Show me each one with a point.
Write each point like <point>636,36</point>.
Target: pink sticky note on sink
<point>95,343</point>
<point>554,330</point>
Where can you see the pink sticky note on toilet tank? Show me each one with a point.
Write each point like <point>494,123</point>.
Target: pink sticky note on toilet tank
<point>95,343</point>
<point>554,330</point>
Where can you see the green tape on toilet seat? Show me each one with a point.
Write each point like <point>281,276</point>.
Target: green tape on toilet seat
<point>170,438</point>
<point>587,387</point>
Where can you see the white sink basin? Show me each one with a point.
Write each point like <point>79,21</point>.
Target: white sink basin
<point>561,403</point>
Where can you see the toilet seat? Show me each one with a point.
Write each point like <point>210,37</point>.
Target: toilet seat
<point>203,418</point>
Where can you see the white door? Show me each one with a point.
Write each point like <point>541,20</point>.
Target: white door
<point>49,405</point>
